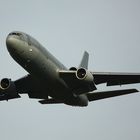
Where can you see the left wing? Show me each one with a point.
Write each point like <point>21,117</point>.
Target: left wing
<point>112,78</point>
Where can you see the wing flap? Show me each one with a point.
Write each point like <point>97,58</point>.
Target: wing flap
<point>7,97</point>
<point>50,101</point>
<point>107,94</point>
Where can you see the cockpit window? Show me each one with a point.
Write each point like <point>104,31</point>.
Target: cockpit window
<point>14,33</point>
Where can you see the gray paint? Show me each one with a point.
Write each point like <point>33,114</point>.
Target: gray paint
<point>49,78</point>
<point>110,31</point>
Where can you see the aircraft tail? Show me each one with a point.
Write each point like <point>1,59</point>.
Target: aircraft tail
<point>84,61</point>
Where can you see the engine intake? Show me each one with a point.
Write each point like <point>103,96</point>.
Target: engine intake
<point>83,74</point>
<point>5,83</point>
<point>7,89</point>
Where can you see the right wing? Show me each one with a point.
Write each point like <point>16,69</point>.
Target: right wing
<point>32,87</point>
<point>107,94</point>
<point>25,85</point>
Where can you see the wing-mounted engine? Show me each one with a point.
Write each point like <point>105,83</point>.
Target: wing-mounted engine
<point>86,81</point>
<point>78,80</point>
<point>8,89</point>
<point>84,75</point>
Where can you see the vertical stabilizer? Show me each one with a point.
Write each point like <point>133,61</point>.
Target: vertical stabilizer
<point>84,61</point>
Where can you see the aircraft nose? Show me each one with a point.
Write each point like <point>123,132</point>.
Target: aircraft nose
<point>15,46</point>
<point>10,43</point>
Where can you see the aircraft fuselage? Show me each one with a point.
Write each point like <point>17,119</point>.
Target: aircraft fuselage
<point>43,66</point>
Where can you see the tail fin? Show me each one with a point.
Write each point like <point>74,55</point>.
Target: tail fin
<point>84,61</point>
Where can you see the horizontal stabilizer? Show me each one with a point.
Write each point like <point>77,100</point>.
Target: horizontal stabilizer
<point>107,94</point>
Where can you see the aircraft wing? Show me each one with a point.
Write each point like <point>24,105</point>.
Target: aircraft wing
<point>6,96</point>
<point>77,86</point>
<point>31,86</point>
<point>107,94</point>
<point>115,78</point>
<point>25,85</point>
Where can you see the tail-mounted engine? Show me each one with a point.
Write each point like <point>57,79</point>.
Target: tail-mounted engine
<point>73,69</point>
<point>7,89</point>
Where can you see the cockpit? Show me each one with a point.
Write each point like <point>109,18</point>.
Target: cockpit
<point>15,33</point>
<point>18,35</point>
<point>24,37</point>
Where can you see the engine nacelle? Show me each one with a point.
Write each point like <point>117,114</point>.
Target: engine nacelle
<point>5,83</point>
<point>85,75</point>
<point>7,89</point>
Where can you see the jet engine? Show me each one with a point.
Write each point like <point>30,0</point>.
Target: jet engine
<point>5,83</point>
<point>73,69</point>
<point>83,74</point>
<point>7,89</point>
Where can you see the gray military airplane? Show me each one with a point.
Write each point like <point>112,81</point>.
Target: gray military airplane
<point>51,82</point>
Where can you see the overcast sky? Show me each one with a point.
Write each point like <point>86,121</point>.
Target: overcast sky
<point>110,31</point>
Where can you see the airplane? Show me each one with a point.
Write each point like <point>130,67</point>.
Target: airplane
<point>51,82</point>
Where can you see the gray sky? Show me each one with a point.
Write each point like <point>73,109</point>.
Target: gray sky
<point>110,31</point>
